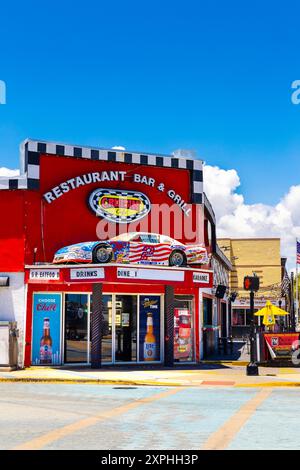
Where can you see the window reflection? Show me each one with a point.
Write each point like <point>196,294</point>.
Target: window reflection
<point>126,328</point>
<point>183,329</point>
<point>107,307</point>
<point>76,328</point>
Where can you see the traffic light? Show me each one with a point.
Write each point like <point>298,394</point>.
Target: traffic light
<point>251,283</point>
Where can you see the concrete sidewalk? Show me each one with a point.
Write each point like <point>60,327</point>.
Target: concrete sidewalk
<point>222,374</point>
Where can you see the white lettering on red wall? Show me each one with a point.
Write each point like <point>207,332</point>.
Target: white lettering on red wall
<point>152,274</point>
<point>87,273</point>
<point>112,176</point>
<point>44,274</point>
<point>201,277</point>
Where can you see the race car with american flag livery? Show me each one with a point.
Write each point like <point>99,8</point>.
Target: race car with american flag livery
<point>135,248</point>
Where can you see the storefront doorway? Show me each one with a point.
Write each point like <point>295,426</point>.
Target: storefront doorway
<point>127,318</point>
<point>126,328</point>
<point>76,331</point>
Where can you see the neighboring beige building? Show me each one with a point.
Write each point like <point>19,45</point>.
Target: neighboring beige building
<point>262,257</point>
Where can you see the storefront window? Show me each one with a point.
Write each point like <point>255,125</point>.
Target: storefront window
<point>242,317</point>
<point>131,331</point>
<point>126,328</point>
<point>184,329</point>
<point>106,353</point>
<point>76,328</point>
<point>238,317</point>
<point>149,347</point>
<point>207,312</point>
<point>249,317</point>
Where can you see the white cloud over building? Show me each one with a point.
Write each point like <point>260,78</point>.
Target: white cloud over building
<point>236,218</point>
<point>7,172</point>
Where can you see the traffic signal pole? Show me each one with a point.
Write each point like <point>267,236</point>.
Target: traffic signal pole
<point>252,367</point>
<point>251,284</point>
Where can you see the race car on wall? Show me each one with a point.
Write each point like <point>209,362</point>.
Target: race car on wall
<point>135,248</point>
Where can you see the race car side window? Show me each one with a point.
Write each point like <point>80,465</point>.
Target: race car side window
<point>165,239</point>
<point>149,238</point>
<point>136,238</point>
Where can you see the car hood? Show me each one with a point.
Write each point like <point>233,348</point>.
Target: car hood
<point>84,246</point>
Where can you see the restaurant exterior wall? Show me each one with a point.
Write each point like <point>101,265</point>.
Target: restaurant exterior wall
<point>12,307</point>
<point>183,289</point>
<point>48,207</point>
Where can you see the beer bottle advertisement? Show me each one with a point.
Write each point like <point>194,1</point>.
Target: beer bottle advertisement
<point>46,329</point>
<point>149,328</point>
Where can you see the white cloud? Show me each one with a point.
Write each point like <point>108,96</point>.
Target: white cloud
<point>118,147</point>
<point>236,218</point>
<point>7,172</point>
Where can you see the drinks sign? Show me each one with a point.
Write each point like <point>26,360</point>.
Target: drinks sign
<point>46,328</point>
<point>79,274</point>
<point>149,328</point>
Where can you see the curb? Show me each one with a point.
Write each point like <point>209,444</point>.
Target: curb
<point>226,363</point>
<point>145,383</point>
<point>270,384</point>
<point>90,381</point>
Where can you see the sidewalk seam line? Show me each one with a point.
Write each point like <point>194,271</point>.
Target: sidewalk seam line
<point>222,437</point>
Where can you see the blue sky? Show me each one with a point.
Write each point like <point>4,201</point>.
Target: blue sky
<point>156,76</point>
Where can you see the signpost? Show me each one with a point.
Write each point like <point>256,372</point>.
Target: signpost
<point>251,283</point>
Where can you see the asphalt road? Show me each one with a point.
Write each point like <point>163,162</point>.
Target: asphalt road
<point>75,416</point>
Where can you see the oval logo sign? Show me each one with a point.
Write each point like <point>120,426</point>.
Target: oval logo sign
<point>118,205</point>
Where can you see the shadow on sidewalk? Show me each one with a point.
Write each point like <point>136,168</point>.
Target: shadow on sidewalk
<point>240,352</point>
<point>238,355</point>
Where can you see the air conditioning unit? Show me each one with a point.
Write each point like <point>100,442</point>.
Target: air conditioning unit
<point>8,345</point>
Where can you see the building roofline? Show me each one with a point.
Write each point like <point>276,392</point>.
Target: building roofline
<point>31,150</point>
<point>223,258</point>
<point>108,149</point>
<point>248,238</point>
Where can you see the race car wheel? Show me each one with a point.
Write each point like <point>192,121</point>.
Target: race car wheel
<point>102,254</point>
<point>177,258</point>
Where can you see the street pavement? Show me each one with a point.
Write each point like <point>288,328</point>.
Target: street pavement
<point>227,374</point>
<point>117,417</point>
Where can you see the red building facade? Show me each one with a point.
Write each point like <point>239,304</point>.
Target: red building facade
<point>95,313</point>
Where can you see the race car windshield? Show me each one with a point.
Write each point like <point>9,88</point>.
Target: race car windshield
<point>124,237</point>
<point>169,240</point>
<point>137,237</point>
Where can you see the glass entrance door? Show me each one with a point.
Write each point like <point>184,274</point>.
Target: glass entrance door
<point>76,328</point>
<point>124,318</point>
<point>125,328</point>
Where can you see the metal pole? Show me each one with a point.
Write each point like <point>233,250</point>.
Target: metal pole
<point>252,328</point>
<point>169,326</point>
<point>96,326</point>
<point>297,296</point>
<point>252,368</point>
<point>292,303</point>
<point>230,319</point>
